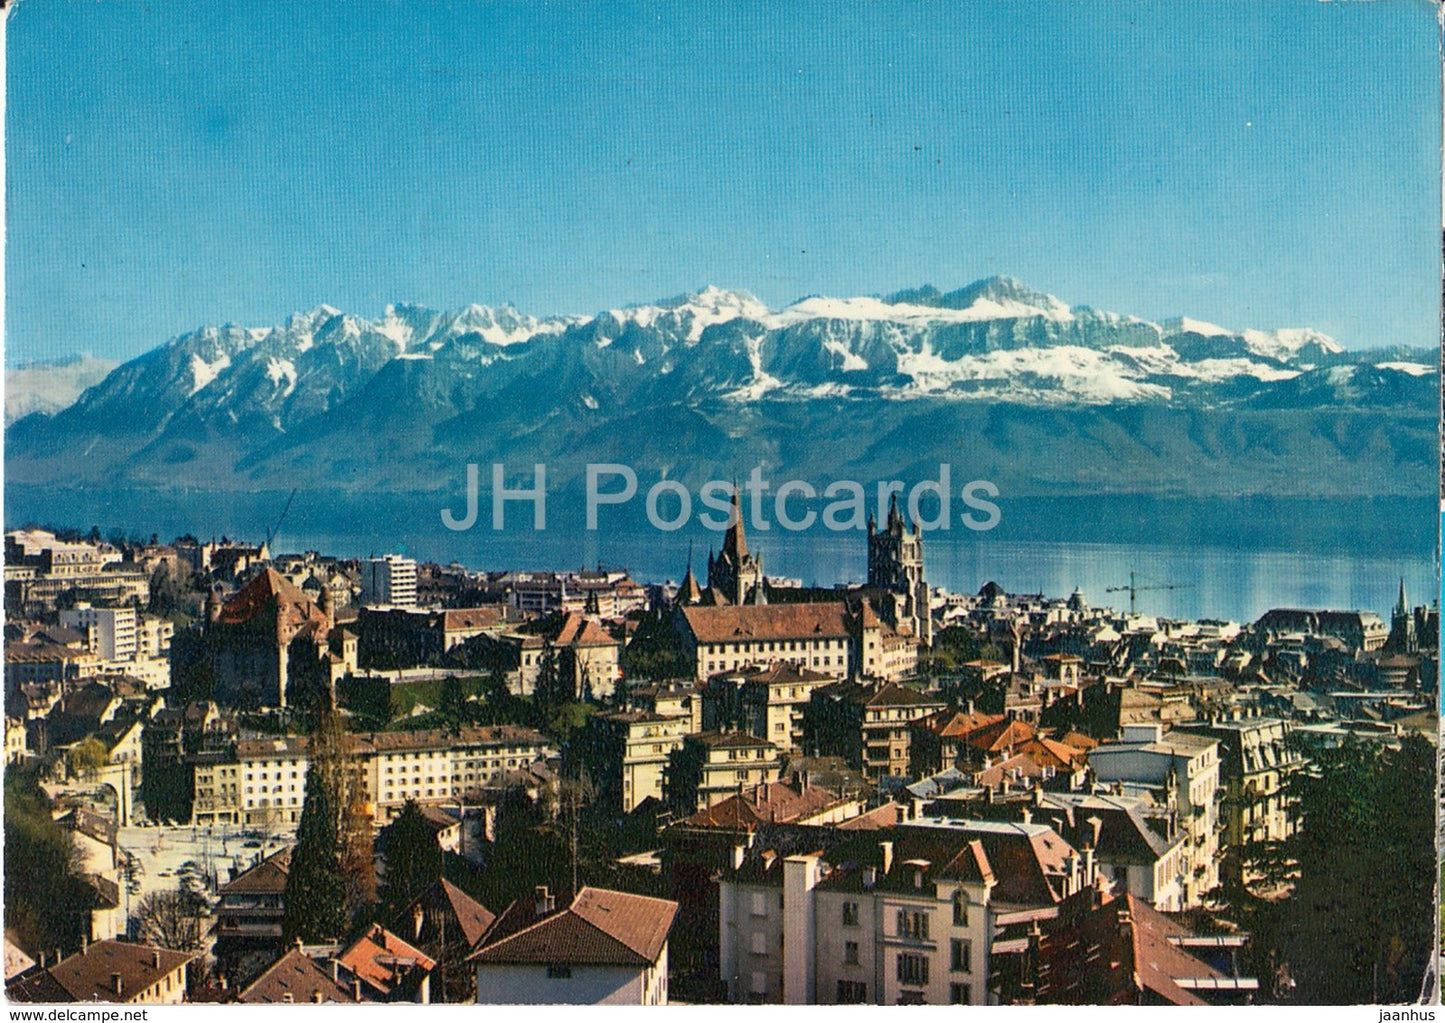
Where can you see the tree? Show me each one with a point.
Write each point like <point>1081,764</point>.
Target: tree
<point>45,903</point>
<point>413,858</point>
<point>315,900</point>
<point>332,758</point>
<point>453,703</point>
<point>1359,927</point>
<point>173,919</point>
<point>86,757</point>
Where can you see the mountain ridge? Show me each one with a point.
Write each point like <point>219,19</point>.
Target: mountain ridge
<point>243,405</point>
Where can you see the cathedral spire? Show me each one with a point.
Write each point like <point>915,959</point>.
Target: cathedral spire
<point>895,520</point>
<point>736,541</point>
<point>1402,606</point>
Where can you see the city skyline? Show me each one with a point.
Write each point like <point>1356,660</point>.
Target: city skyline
<point>1236,165</point>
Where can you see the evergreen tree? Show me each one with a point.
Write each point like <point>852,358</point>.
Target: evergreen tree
<point>1359,926</point>
<point>413,858</point>
<point>315,904</point>
<point>332,757</point>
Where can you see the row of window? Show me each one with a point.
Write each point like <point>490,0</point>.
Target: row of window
<point>914,924</point>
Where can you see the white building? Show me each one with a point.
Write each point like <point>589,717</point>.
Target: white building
<point>1182,769</point>
<point>112,632</point>
<point>389,580</point>
<point>912,915</point>
<point>606,948</point>
<point>273,780</point>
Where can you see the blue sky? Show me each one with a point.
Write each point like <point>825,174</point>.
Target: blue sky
<point>173,164</point>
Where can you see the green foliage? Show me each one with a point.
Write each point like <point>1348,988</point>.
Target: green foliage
<point>413,859</point>
<point>44,902</point>
<point>953,647</point>
<point>86,757</point>
<point>315,897</point>
<point>1359,926</point>
<point>655,652</point>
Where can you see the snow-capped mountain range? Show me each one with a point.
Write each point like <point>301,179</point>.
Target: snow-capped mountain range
<point>248,399</point>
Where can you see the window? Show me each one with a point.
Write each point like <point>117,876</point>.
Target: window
<point>850,914</point>
<point>960,994</point>
<point>556,971</point>
<point>910,998</point>
<point>852,992</point>
<point>962,958</point>
<point>960,908</point>
<point>759,943</point>
<point>760,905</point>
<point>912,925</point>
<point>850,953</point>
<point>912,969</point>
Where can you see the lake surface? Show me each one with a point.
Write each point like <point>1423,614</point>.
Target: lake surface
<point>1231,559</point>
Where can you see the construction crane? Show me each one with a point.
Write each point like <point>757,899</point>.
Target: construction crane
<point>271,533</point>
<point>1135,589</point>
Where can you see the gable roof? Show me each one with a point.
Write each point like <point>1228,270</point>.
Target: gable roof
<point>471,916</point>
<point>750,622</point>
<point>266,878</point>
<point>381,960</point>
<point>600,928</point>
<point>1115,953</point>
<point>298,976</point>
<point>88,976</point>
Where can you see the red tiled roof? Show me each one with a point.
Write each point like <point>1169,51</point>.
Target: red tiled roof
<point>473,918</point>
<point>1002,734</point>
<point>298,976</point>
<point>268,591</point>
<point>266,878</point>
<point>375,956</point>
<point>601,927</point>
<point>578,631</point>
<point>89,976</point>
<point>749,622</point>
<point>473,617</point>
<point>1113,954</point>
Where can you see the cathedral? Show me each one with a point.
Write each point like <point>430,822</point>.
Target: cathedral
<point>895,572</point>
<point>734,576</point>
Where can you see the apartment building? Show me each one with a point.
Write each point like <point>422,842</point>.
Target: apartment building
<point>394,767</point>
<point>389,580</point>
<point>625,754</point>
<point>1182,769</point>
<point>931,912</point>
<point>711,766</point>
<point>112,632</point>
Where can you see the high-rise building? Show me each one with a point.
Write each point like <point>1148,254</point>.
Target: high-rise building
<point>389,580</point>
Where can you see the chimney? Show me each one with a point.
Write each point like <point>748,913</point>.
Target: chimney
<point>545,902</point>
<point>155,959</point>
<point>870,878</point>
<point>1088,866</point>
<point>117,983</point>
<point>417,919</point>
<point>335,972</point>
<point>221,979</point>
<point>1028,815</point>
<point>739,851</point>
<point>887,848</point>
<point>356,988</point>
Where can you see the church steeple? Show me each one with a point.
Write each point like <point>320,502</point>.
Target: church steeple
<point>1402,606</point>
<point>736,541</point>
